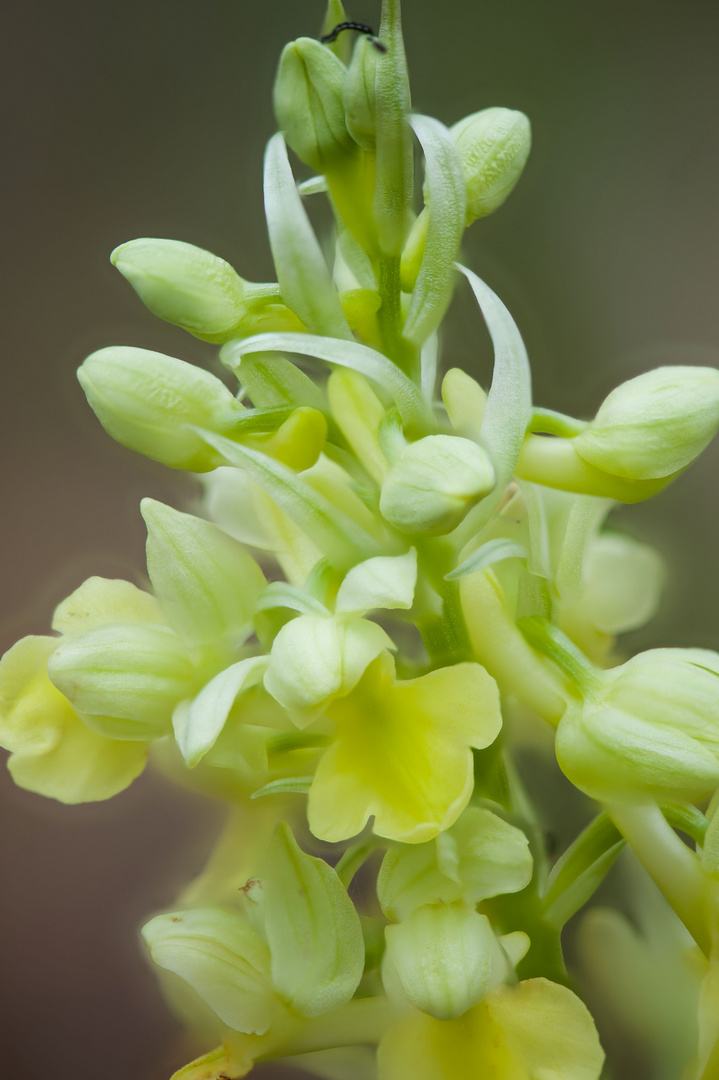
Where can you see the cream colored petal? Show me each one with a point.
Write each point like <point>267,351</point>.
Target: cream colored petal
<point>402,752</point>
<point>99,601</point>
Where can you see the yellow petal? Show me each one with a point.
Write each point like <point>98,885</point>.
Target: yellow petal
<point>54,752</point>
<point>99,601</point>
<point>402,752</point>
<point>471,1047</point>
<point>536,1030</point>
<point>549,1028</point>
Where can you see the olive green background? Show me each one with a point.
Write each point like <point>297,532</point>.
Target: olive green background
<point>149,119</point>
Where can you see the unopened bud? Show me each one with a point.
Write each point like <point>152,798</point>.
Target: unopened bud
<point>443,956</point>
<point>359,94</point>
<point>308,103</point>
<point>185,285</point>
<point>494,146</point>
<point>654,425</point>
<point>132,671</point>
<point>150,402</point>
<point>650,730</point>
<point>434,482</point>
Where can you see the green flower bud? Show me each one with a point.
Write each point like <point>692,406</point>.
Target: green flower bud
<point>479,856</point>
<point>308,103</point>
<point>434,482</point>
<point>185,285</point>
<point>654,425</point>
<point>651,730</point>
<point>443,956</point>
<point>494,146</point>
<point>150,402</point>
<point>134,671</point>
<point>206,582</point>
<point>315,658</point>
<point>359,94</point>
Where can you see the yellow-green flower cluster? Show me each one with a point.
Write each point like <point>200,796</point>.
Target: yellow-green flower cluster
<point>429,574</point>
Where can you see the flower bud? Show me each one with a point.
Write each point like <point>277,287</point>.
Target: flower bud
<point>308,103</point>
<point>133,671</point>
<point>494,146</point>
<point>443,956</point>
<point>359,94</point>
<point>315,658</point>
<point>149,402</point>
<point>184,284</point>
<point>479,856</point>
<point>654,425</point>
<point>206,581</point>
<point>650,731</point>
<point>434,482</point>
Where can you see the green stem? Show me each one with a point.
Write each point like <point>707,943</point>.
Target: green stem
<point>445,635</point>
<point>555,463</point>
<point>394,163</point>
<point>570,660</point>
<point>389,316</point>
<point>362,1020</point>
<point>550,422</point>
<point>671,865</point>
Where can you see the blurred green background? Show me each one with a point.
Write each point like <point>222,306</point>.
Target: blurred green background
<point>149,119</point>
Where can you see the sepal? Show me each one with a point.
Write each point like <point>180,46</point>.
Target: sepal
<point>218,953</point>
<point>433,484</point>
<point>206,582</point>
<point>443,956</point>
<point>312,928</point>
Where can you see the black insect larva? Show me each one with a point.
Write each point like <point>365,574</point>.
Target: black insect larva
<point>361,28</point>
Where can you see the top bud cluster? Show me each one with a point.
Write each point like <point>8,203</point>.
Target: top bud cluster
<point>425,566</point>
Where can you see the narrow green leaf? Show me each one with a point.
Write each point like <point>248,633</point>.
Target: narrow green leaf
<point>287,741</point>
<point>486,554</point>
<point>347,354</point>
<point>446,202</point>
<point>286,785</point>
<point>428,367</point>
<point>550,422</point>
<point>581,869</point>
<point>584,517</point>
<point>272,382</point>
<point>509,402</point>
<point>539,561</point>
<point>339,537</point>
<point>355,857</point>
<point>302,273</point>
<point>549,640</point>
<point>282,594</point>
<point>687,819</point>
<point>313,930</point>
<point>316,185</point>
